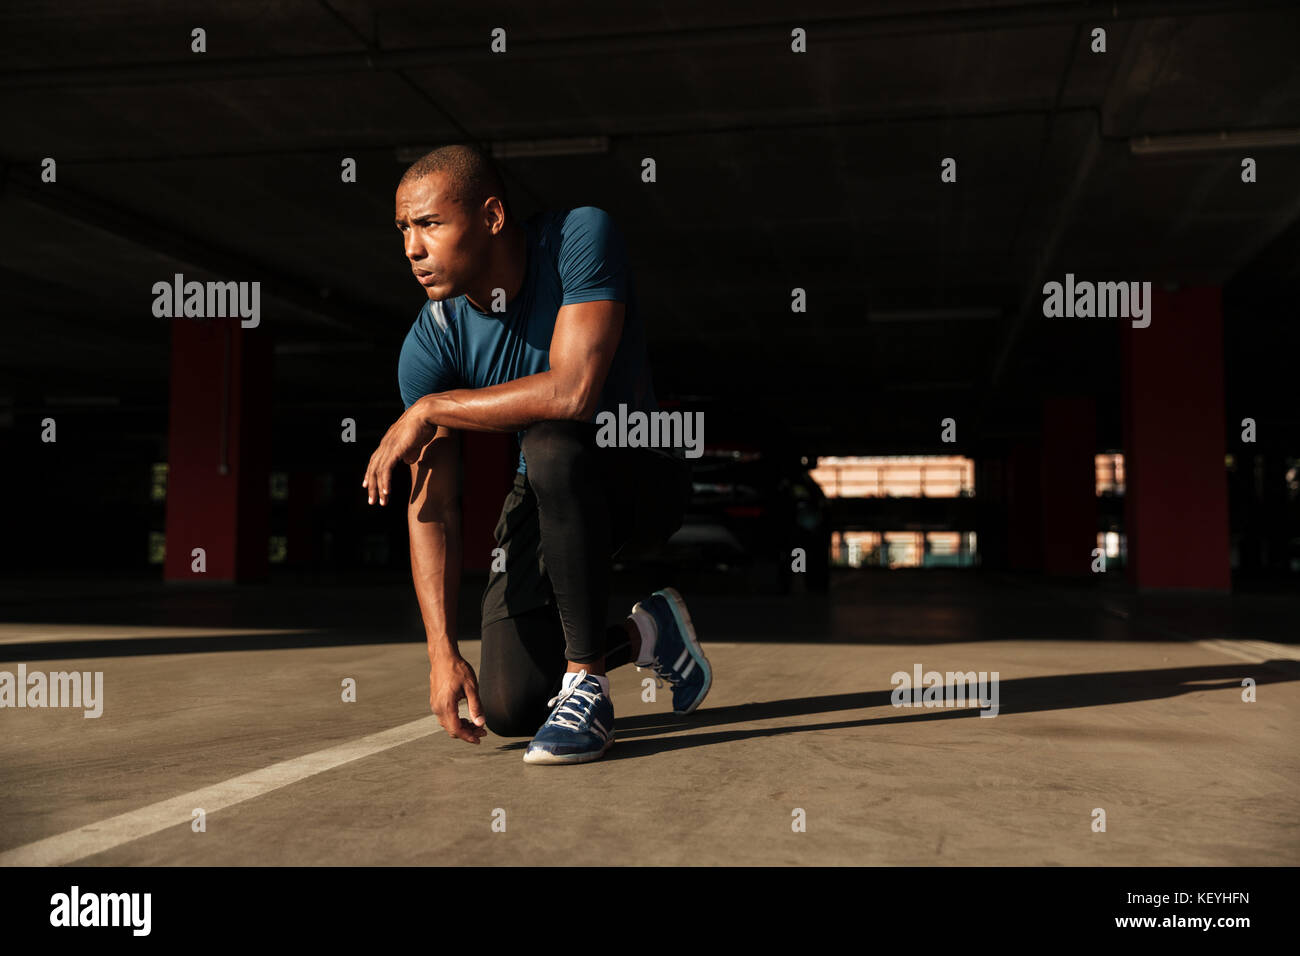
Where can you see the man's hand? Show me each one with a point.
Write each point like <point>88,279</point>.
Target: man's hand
<point>450,681</point>
<point>404,441</point>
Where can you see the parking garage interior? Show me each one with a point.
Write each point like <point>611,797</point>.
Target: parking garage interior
<point>841,258</point>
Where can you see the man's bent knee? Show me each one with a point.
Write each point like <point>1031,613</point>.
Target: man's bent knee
<point>514,718</point>
<point>551,447</point>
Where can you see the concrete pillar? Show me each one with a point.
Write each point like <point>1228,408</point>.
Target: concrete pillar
<point>1069,487</point>
<point>218,451</point>
<point>1176,501</point>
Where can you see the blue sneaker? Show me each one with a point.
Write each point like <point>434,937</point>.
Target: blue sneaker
<point>580,728</point>
<point>678,657</point>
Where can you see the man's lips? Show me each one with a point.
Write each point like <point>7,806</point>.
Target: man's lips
<point>425,278</point>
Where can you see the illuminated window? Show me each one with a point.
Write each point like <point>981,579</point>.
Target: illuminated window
<point>1112,544</point>
<point>903,549</point>
<point>896,476</point>
<point>1109,473</point>
<point>158,485</point>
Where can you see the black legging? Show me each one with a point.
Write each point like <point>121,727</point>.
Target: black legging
<point>591,503</point>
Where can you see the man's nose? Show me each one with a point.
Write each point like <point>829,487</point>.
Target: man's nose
<point>414,247</point>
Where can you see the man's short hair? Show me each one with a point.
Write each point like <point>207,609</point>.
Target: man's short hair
<point>472,176</point>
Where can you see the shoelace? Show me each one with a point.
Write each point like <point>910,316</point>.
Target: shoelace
<point>568,706</point>
<point>661,672</point>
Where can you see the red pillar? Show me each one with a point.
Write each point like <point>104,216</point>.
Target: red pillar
<point>488,463</point>
<point>1069,486</point>
<point>1176,497</point>
<point>218,451</point>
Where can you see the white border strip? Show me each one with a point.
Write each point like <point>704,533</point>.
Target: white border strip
<point>107,834</point>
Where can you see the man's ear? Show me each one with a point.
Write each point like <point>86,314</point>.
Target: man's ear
<point>494,215</point>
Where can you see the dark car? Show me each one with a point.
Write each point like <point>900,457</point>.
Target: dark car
<point>748,512</point>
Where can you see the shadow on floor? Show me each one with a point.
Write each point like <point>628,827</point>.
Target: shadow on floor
<point>1019,696</point>
<point>925,607</point>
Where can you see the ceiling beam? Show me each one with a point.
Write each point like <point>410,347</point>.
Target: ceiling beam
<point>302,295</point>
<point>609,47</point>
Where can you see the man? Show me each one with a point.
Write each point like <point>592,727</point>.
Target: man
<point>531,328</point>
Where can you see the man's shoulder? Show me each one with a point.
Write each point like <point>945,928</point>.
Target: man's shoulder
<point>591,255</point>
<point>585,213</point>
<point>586,218</point>
<point>434,317</point>
<point>431,336</point>
<point>562,213</point>
<point>556,225</point>
<point>428,360</point>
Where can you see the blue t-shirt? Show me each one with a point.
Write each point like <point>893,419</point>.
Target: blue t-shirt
<point>575,255</point>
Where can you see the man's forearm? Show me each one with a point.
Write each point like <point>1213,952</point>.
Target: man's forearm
<point>509,407</point>
<point>435,569</point>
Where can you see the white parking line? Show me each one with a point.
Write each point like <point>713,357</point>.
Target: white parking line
<point>106,834</point>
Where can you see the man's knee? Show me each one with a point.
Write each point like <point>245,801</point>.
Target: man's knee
<point>511,708</point>
<point>513,717</point>
<point>552,449</point>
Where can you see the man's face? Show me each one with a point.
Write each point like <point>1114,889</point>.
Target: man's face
<point>445,243</point>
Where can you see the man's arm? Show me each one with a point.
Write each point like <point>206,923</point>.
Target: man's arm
<point>583,344</point>
<point>433,519</point>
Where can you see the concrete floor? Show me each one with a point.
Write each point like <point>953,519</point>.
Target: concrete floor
<point>1130,705</point>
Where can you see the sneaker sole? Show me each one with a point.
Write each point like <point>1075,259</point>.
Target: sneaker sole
<point>683,618</point>
<point>542,758</point>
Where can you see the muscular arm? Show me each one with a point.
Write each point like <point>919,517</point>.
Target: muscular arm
<point>583,344</point>
<point>582,347</point>
<point>433,518</point>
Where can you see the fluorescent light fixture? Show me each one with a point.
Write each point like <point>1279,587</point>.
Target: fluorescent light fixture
<point>513,148</point>
<point>933,315</point>
<point>573,146</point>
<point>1213,142</point>
<point>82,401</point>
<point>928,386</point>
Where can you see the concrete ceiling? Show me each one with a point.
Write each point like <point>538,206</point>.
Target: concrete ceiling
<point>775,171</point>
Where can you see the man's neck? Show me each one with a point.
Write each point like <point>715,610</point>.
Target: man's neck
<point>514,270</point>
